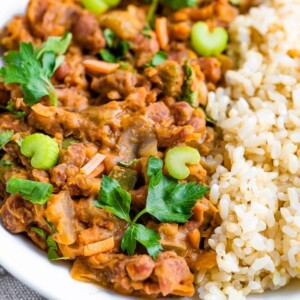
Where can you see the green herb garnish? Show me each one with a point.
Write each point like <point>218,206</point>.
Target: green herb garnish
<point>51,244</point>
<point>5,137</point>
<point>159,58</point>
<point>52,249</point>
<point>116,49</point>
<point>32,191</point>
<point>173,4</point>
<point>152,11</point>
<point>108,56</point>
<point>39,231</point>
<point>190,90</point>
<point>5,163</point>
<point>110,37</point>
<point>128,164</point>
<point>10,107</point>
<point>33,68</point>
<point>146,32</point>
<point>167,200</point>
<point>177,4</point>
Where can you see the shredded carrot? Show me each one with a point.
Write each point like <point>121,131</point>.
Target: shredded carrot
<point>99,247</point>
<point>162,32</point>
<point>93,164</point>
<point>100,67</point>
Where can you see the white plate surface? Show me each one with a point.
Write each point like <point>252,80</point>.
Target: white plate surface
<point>30,265</point>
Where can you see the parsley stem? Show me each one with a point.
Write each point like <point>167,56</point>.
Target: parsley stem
<point>52,94</point>
<point>139,215</point>
<point>152,10</point>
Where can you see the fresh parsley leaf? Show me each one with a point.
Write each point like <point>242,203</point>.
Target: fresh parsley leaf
<point>39,231</point>
<point>33,191</point>
<point>107,56</point>
<point>146,32</point>
<point>33,68</point>
<point>159,58</point>
<point>52,227</point>
<point>52,254</point>
<point>116,49</point>
<point>114,199</point>
<point>122,48</point>
<point>177,4</point>
<point>52,250</point>
<point>147,237</point>
<point>57,45</point>
<point>168,200</point>
<point>12,109</point>
<point>152,11</point>
<point>51,243</point>
<point>31,75</point>
<point>5,163</point>
<point>154,167</point>
<point>110,37</point>
<point>5,137</point>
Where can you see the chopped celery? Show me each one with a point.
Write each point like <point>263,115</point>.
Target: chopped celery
<point>177,158</point>
<point>42,150</point>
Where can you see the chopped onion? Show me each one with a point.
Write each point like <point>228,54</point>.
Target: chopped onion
<point>99,247</point>
<point>93,164</point>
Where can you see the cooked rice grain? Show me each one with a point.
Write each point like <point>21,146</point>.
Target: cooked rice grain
<point>257,187</point>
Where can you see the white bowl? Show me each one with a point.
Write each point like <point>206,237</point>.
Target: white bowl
<point>52,280</point>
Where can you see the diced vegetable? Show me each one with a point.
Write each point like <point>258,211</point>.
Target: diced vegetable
<point>171,74</point>
<point>127,177</point>
<point>33,191</point>
<point>42,150</point>
<point>100,67</point>
<point>177,158</point>
<point>112,3</point>
<point>93,164</point>
<point>99,247</point>
<point>161,28</point>
<point>190,87</point>
<point>207,43</point>
<point>99,7</point>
